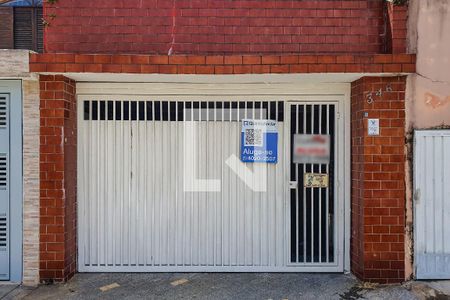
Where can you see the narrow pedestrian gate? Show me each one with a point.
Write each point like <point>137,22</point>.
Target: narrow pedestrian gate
<point>161,188</point>
<point>432,204</point>
<point>10,180</point>
<point>4,186</point>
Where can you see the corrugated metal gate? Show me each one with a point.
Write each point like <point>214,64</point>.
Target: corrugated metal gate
<point>432,204</point>
<point>136,213</point>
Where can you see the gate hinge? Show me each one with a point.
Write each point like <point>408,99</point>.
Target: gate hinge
<point>416,195</point>
<point>338,115</point>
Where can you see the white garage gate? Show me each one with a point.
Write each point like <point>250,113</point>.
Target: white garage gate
<point>161,187</point>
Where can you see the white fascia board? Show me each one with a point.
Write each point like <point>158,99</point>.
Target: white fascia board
<point>232,78</point>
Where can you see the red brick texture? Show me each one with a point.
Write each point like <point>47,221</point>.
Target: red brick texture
<point>218,64</point>
<point>215,26</point>
<point>378,180</point>
<point>397,28</point>
<point>57,178</point>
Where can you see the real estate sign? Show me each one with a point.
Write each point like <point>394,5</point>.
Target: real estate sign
<point>259,141</point>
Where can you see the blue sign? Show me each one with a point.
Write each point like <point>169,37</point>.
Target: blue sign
<point>259,141</point>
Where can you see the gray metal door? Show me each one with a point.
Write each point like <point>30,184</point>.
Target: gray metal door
<point>432,204</point>
<point>4,185</point>
<point>11,180</point>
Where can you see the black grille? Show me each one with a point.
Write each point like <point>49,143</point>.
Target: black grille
<point>225,111</point>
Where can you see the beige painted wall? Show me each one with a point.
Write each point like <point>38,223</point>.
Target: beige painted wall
<point>427,91</point>
<point>428,95</point>
<point>14,65</point>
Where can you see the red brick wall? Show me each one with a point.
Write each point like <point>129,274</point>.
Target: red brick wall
<point>215,26</point>
<point>58,178</point>
<point>218,64</point>
<point>378,181</point>
<point>398,15</point>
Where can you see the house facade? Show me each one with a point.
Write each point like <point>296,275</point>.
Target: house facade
<point>229,136</point>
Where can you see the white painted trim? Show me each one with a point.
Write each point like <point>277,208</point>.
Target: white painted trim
<point>223,78</point>
<point>189,89</point>
<point>346,120</point>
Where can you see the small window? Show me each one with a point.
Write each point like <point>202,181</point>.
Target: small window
<point>21,25</point>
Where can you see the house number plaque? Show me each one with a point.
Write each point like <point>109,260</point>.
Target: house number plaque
<point>315,180</point>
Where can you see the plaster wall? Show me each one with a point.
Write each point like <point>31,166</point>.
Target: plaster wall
<point>428,91</point>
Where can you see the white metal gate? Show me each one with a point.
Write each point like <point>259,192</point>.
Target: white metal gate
<point>432,204</point>
<point>135,213</point>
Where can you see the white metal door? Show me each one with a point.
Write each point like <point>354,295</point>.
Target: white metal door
<point>432,204</point>
<point>137,214</point>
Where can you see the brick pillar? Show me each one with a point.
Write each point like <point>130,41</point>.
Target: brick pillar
<point>57,178</point>
<point>378,181</point>
<point>397,27</point>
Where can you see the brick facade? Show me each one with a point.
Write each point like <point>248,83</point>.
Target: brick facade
<point>396,41</point>
<point>233,37</point>
<point>58,178</point>
<point>215,27</point>
<point>378,180</point>
<point>218,64</point>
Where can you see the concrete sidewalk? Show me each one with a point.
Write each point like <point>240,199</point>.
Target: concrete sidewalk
<point>223,286</point>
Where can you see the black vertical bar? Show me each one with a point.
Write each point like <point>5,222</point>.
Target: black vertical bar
<point>280,111</point>
<point>323,191</point>
<point>294,208</point>
<point>165,111</point>
<point>126,110</point>
<point>301,196</point>
<point>86,110</point>
<point>308,192</point>
<point>316,191</point>
<point>331,183</point>
<point>180,111</point>
<point>110,110</point>
<point>273,110</point>
<point>118,110</point>
<point>173,111</point>
<point>133,110</point>
<point>94,110</point>
<point>157,110</point>
<point>102,110</point>
<point>265,106</point>
<point>141,110</point>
